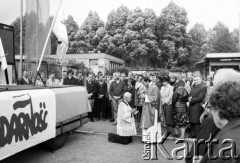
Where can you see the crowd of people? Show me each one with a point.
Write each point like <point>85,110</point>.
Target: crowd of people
<point>68,79</point>
<point>181,98</point>
<point>178,100</point>
<point>207,108</point>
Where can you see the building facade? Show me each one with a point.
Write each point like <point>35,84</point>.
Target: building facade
<point>215,61</point>
<point>94,61</point>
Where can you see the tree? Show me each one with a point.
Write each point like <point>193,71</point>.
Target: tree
<point>136,50</point>
<point>174,41</point>
<point>103,46</point>
<point>16,25</point>
<point>150,37</point>
<point>72,29</point>
<point>208,46</point>
<point>81,41</point>
<point>198,35</point>
<point>235,38</point>
<point>140,38</point>
<point>116,20</point>
<point>131,35</point>
<point>222,41</point>
<point>112,43</point>
<point>91,25</point>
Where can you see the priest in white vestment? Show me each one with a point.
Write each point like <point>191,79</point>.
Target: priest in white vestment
<point>126,127</point>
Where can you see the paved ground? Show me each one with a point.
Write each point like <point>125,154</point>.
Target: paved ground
<point>94,147</point>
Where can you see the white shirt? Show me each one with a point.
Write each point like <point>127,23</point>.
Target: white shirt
<point>166,94</point>
<point>27,80</point>
<point>152,83</point>
<point>53,82</point>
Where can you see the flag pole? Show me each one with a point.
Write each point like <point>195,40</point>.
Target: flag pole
<point>45,44</point>
<point>239,33</point>
<point>6,76</point>
<point>21,41</point>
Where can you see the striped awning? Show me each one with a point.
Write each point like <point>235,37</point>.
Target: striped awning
<point>225,64</point>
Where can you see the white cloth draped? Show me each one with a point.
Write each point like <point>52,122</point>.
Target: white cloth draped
<point>125,121</point>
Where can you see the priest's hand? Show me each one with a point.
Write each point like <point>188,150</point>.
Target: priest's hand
<point>189,99</point>
<point>90,95</point>
<point>133,110</point>
<point>116,97</point>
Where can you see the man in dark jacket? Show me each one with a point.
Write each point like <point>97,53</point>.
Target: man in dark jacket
<point>25,80</point>
<point>101,99</point>
<point>92,90</point>
<point>196,98</point>
<point>117,89</point>
<point>124,79</point>
<point>70,80</point>
<point>156,81</point>
<point>207,130</point>
<point>80,79</point>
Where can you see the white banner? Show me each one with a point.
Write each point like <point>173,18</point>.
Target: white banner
<point>27,118</point>
<point>3,77</point>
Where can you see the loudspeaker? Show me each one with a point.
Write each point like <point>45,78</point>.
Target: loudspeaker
<point>7,37</point>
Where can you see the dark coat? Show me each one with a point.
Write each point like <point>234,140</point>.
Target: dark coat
<point>80,82</point>
<point>23,82</point>
<point>92,88</point>
<point>102,89</point>
<point>159,85</point>
<point>180,98</point>
<point>230,131</point>
<point>207,128</point>
<point>174,84</point>
<point>72,81</point>
<point>198,94</point>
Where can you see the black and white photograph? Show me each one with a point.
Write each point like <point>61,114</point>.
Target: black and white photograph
<point>119,81</point>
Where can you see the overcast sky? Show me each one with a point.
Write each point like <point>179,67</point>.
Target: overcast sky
<point>208,12</point>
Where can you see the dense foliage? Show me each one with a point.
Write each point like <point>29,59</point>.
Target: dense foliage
<point>144,39</point>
